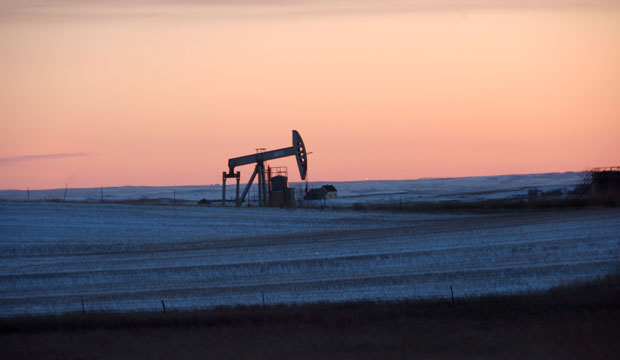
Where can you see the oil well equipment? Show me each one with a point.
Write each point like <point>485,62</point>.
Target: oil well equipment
<point>600,181</point>
<point>268,187</point>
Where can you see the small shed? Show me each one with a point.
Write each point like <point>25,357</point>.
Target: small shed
<point>322,193</point>
<point>330,191</point>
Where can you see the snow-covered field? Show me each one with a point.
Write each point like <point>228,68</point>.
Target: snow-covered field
<point>467,189</point>
<point>118,257</point>
<point>463,189</point>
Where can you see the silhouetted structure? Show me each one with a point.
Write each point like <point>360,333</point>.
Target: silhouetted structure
<point>298,149</point>
<point>600,181</point>
<point>322,193</point>
<point>279,192</point>
<point>606,180</point>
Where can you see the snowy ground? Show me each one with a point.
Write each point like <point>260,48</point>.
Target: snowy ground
<point>120,257</point>
<point>467,189</point>
<point>463,189</point>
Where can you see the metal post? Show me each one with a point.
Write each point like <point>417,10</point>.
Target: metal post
<point>269,185</point>
<point>261,179</point>
<point>238,176</point>
<point>265,189</point>
<point>223,188</point>
<point>262,196</point>
<point>247,186</point>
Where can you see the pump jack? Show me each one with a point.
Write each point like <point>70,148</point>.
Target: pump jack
<point>298,149</point>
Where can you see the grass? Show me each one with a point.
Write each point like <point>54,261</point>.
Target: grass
<point>570,322</point>
<point>534,203</point>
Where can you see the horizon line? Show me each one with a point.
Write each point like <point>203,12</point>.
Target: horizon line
<point>297,182</point>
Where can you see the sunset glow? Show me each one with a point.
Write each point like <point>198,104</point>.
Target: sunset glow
<point>162,94</point>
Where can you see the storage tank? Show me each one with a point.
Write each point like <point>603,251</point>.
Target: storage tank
<point>279,183</point>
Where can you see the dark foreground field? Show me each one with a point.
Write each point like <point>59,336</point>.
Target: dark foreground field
<point>577,322</point>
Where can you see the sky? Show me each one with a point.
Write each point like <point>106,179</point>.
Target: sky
<point>147,92</point>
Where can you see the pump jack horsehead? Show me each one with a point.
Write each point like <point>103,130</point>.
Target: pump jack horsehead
<point>298,149</point>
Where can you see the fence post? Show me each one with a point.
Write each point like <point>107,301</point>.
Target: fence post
<point>452,293</point>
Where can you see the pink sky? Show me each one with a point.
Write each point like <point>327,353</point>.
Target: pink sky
<point>153,93</point>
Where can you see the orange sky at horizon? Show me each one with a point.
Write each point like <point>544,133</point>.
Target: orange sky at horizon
<point>166,97</point>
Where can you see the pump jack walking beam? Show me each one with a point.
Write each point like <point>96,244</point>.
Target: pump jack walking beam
<point>298,150</point>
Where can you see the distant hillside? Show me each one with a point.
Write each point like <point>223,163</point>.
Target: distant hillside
<point>465,189</point>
